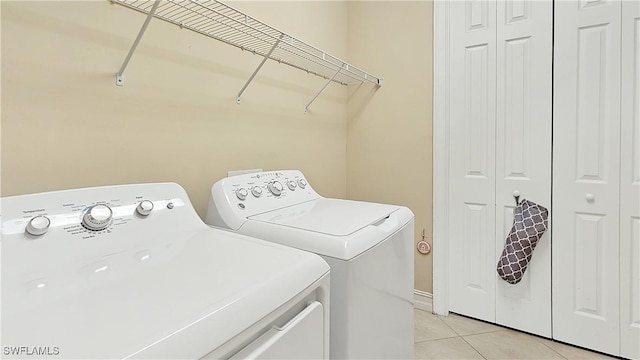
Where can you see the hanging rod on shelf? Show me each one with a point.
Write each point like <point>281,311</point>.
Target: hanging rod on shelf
<point>214,19</point>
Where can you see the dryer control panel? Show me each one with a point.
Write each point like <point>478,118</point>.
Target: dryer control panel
<point>92,212</point>
<point>234,199</point>
<point>74,239</point>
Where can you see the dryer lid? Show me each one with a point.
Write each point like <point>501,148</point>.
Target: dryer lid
<point>334,217</point>
<point>169,297</point>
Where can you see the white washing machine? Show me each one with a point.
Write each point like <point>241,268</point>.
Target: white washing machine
<point>368,246</point>
<point>131,271</point>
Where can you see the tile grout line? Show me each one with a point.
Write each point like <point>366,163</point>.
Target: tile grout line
<point>465,340</point>
<point>483,332</point>
<point>449,326</point>
<point>499,328</point>
<point>535,338</point>
<point>445,324</point>
<point>554,350</point>
<point>438,339</point>
<point>473,347</point>
<point>539,339</point>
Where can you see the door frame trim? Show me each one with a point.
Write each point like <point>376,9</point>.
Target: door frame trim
<point>440,207</point>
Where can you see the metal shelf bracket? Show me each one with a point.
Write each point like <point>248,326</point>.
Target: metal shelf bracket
<point>266,57</point>
<point>120,74</point>
<point>344,66</point>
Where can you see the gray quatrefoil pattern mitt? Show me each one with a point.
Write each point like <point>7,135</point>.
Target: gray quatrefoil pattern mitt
<point>529,223</point>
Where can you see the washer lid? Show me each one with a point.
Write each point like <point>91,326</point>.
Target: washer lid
<point>163,297</point>
<point>333,217</point>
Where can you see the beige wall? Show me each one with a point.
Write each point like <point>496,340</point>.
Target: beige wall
<point>389,131</point>
<point>65,124</point>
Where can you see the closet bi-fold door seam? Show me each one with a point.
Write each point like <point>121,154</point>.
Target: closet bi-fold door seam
<point>523,152</point>
<point>500,129</point>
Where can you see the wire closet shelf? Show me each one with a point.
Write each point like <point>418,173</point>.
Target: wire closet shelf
<point>219,21</point>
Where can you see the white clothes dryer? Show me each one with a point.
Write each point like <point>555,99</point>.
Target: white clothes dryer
<point>369,247</point>
<point>131,271</point>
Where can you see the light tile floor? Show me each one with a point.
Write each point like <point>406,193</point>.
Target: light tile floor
<point>459,337</point>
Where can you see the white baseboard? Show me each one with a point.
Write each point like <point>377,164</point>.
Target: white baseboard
<point>422,300</point>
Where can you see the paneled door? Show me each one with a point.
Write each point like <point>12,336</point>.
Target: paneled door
<point>500,111</point>
<point>500,143</point>
<point>523,152</point>
<point>586,174</point>
<point>630,183</point>
<point>472,159</point>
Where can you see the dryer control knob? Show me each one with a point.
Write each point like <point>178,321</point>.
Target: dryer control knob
<point>144,208</point>
<point>256,191</point>
<point>291,185</point>
<point>302,183</point>
<point>242,193</point>
<point>38,225</point>
<point>275,187</point>
<point>97,217</point>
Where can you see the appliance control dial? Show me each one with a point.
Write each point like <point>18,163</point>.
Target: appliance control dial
<point>275,187</point>
<point>242,193</point>
<point>38,225</point>
<point>256,191</point>
<point>144,208</point>
<point>302,183</point>
<point>291,185</point>
<point>97,217</point>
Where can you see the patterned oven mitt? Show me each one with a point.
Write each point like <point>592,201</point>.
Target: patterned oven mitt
<point>529,223</point>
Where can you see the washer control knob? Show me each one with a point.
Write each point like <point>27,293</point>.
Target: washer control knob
<point>97,217</point>
<point>242,193</point>
<point>302,183</point>
<point>144,208</point>
<point>256,191</point>
<point>38,225</point>
<point>291,185</point>
<point>275,187</point>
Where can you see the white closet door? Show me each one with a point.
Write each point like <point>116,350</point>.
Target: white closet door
<point>472,159</point>
<point>586,165</point>
<point>523,152</point>
<point>630,183</point>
